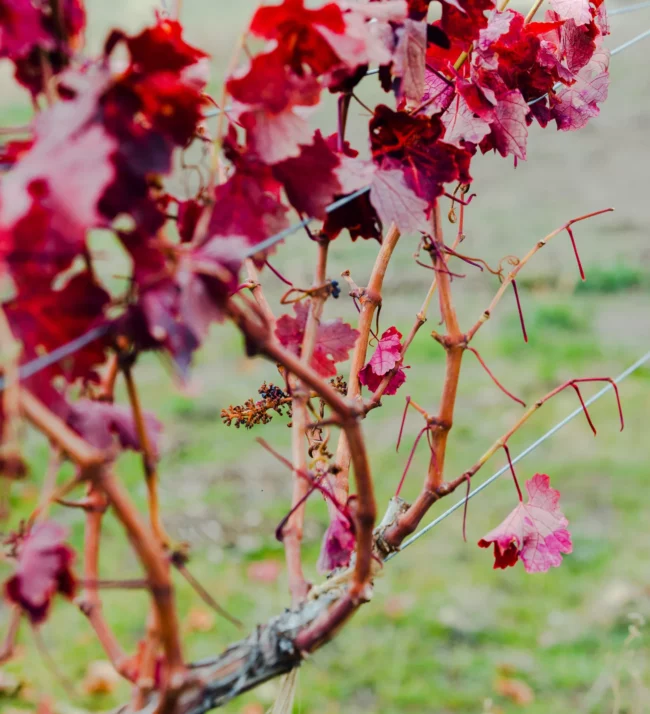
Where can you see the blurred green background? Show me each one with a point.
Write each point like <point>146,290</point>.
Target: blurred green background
<point>444,633</point>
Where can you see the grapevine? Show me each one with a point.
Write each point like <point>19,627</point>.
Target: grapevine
<point>461,78</point>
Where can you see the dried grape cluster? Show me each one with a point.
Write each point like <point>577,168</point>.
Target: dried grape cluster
<point>257,412</point>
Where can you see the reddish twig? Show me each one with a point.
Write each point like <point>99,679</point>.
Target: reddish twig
<point>494,379</point>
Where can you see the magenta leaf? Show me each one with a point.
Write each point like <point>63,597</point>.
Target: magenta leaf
<point>535,532</point>
<point>99,423</point>
<point>338,545</point>
<point>409,60</point>
<point>387,356</point>
<point>43,569</point>
<point>462,124</point>
<point>395,202</point>
<point>509,126</point>
<point>577,10</point>
<point>573,106</point>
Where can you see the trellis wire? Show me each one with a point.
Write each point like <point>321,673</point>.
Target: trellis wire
<point>623,375</point>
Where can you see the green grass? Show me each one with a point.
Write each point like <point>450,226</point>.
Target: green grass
<point>443,627</point>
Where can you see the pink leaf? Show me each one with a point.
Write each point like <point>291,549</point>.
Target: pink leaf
<point>577,44</point>
<point>276,137</point>
<point>334,339</point>
<point>395,202</point>
<point>578,10</point>
<point>387,356</point>
<point>43,569</point>
<point>437,93</point>
<point>534,532</point>
<point>338,545</point>
<point>462,124</point>
<point>409,60</point>
<point>99,422</point>
<point>573,106</point>
<point>509,126</point>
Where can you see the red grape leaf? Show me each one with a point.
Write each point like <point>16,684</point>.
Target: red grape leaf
<point>267,95</point>
<point>413,144</point>
<point>462,124</point>
<point>249,202</point>
<point>30,35</point>
<point>334,339</point>
<point>578,44</point>
<point>573,106</point>
<point>463,19</point>
<point>509,129</point>
<point>189,213</point>
<point>43,569</point>
<point>161,48</point>
<point>310,179</point>
<point>387,356</point>
<point>438,92</point>
<point>21,29</point>
<point>577,10</point>
<point>298,33</point>
<point>534,532</point>
<point>395,202</point>
<point>409,60</point>
<point>45,319</point>
<point>99,422</point>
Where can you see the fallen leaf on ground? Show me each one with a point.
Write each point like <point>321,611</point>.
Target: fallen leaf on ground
<point>514,689</point>
<point>101,678</point>
<point>199,620</point>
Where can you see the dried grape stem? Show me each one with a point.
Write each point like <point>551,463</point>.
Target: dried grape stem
<point>49,483</point>
<point>293,530</point>
<point>107,386</point>
<point>370,301</point>
<point>514,272</point>
<point>394,536</point>
<point>533,10</point>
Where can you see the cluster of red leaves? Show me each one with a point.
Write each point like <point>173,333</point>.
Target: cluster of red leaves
<point>40,38</point>
<point>95,155</point>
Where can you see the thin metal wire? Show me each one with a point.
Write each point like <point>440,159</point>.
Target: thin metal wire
<point>623,375</point>
<point>629,43</point>
<point>40,363</point>
<point>627,8</point>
